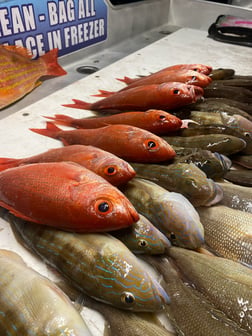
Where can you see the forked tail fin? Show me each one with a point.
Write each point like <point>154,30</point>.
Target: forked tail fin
<point>50,131</point>
<point>61,119</point>
<point>79,104</point>
<point>127,80</point>
<point>6,163</point>
<point>52,66</point>
<point>104,93</point>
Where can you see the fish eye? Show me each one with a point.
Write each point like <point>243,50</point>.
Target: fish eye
<point>103,207</point>
<point>162,117</point>
<point>142,243</point>
<point>127,298</point>
<point>110,170</point>
<point>172,237</point>
<point>151,145</point>
<point>247,134</point>
<point>196,69</point>
<point>176,91</point>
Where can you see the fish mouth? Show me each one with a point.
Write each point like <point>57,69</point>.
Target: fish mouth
<point>225,161</point>
<point>161,294</point>
<point>217,195</point>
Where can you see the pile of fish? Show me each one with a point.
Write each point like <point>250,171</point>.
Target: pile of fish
<point>151,179</point>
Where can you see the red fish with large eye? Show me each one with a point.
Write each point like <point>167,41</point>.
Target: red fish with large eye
<point>200,68</point>
<point>109,166</point>
<point>128,142</point>
<point>65,195</point>
<point>155,121</point>
<point>184,76</point>
<point>163,96</point>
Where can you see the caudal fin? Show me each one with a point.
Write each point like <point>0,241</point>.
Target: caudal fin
<point>6,163</point>
<point>61,119</point>
<point>126,80</point>
<point>52,66</point>
<point>79,104</point>
<point>51,130</point>
<point>104,93</point>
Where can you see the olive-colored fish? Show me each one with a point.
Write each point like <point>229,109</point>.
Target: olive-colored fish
<point>65,195</point>
<point>221,143</point>
<point>127,323</point>
<point>239,82</point>
<point>112,168</point>
<point>20,74</point>
<point>237,93</point>
<point>143,237</point>
<point>128,142</point>
<point>33,305</point>
<point>236,197</point>
<point>223,105</point>
<point>183,178</point>
<point>97,264</point>
<point>228,232</point>
<point>155,121</point>
<point>214,165</point>
<point>203,129</point>
<point>243,160</point>
<point>190,313</point>
<point>170,212</point>
<point>242,177</point>
<point>222,73</point>
<point>226,283</point>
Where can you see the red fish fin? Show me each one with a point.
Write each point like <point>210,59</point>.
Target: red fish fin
<point>6,163</point>
<point>19,50</point>
<point>126,80</point>
<point>51,130</point>
<point>52,66</point>
<point>104,93</point>
<point>17,213</point>
<point>79,104</point>
<point>61,119</point>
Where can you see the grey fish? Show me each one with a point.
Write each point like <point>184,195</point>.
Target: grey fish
<point>143,237</point>
<point>223,105</point>
<point>221,143</point>
<point>236,197</point>
<point>239,82</point>
<point>225,283</point>
<point>32,304</point>
<point>242,177</point>
<point>170,212</point>
<point>184,178</point>
<point>214,165</point>
<point>228,232</point>
<point>220,91</point>
<point>97,264</point>
<point>190,313</point>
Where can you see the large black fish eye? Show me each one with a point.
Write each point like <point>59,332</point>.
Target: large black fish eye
<point>142,243</point>
<point>127,298</point>
<point>176,91</point>
<point>172,236</point>
<point>162,117</point>
<point>103,207</point>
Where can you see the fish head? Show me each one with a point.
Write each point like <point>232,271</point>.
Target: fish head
<point>147,239</point>
<point>115,170</point>
<point>102,207</point>
<point>126,282</point>
<point>197,78</point>
<point>180,221</point>
<point>202,68</point>
<point>164,121</point>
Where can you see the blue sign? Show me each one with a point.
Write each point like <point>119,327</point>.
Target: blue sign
<point>40,26</point>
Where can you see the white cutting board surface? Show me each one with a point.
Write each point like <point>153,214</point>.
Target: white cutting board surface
<point>183,46</point>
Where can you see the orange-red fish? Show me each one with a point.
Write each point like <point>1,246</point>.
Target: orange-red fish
<point>184,76</point>
<point>128,142</point>
<point>201,68</point>
<point>155,121</point>
<point>20,74</point>
<point>110,167</point>
<point>163,96</point>
<point>65,195</point>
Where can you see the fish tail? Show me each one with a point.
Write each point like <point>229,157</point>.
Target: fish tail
<point>6,163</point>
<point>104,93</point>
<point>79,104</point>
<point>126,80</point>
<point>52,66</point>
<point>61,119</point>
<point>51,130</point>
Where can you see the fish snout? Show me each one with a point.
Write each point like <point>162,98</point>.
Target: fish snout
<point>217,194</point>
<point>160,294</point>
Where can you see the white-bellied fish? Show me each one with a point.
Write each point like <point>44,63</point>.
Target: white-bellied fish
<point>170,212</point>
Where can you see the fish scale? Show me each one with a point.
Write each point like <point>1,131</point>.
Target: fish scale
<point>97,264</point>
<point>228,232</point>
